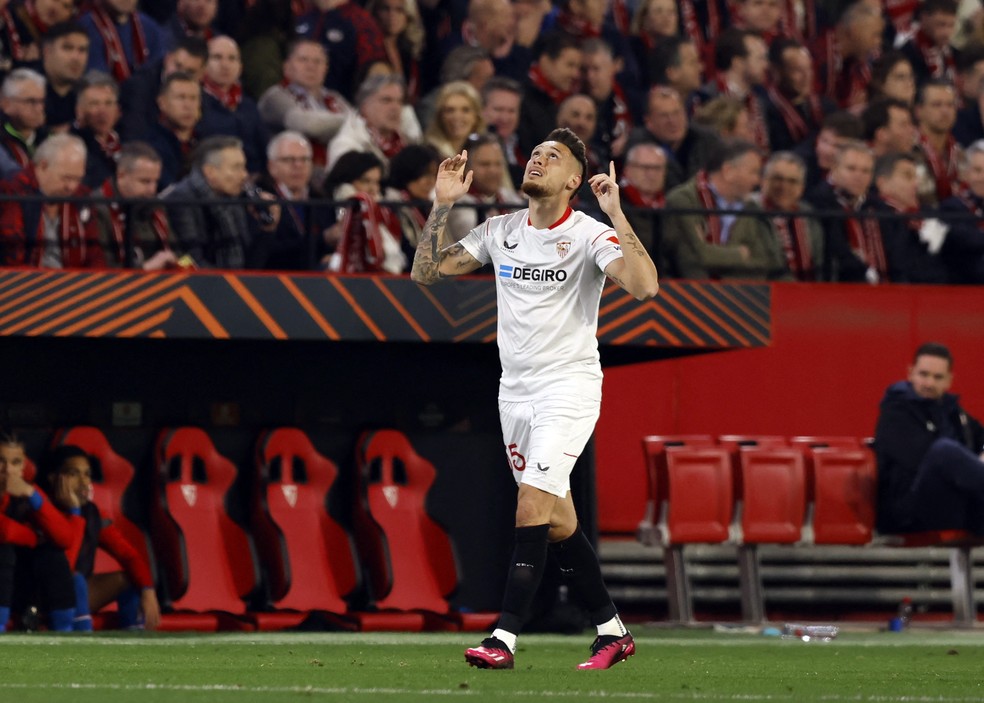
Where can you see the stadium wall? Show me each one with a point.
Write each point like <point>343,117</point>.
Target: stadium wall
<point>833,351</point>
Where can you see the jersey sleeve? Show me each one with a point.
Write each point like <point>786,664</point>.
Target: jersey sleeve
<point>476,242</point>
<point>112,540</point>
<point>605,248</point>
<point>58,527</point>
<point>13,532</point>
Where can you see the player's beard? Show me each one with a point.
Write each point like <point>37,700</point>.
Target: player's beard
<point>534,189</point>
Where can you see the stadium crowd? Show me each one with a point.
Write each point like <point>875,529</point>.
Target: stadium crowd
<point>818,140</point>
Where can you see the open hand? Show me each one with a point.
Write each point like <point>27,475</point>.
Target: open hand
<point>452,180</point>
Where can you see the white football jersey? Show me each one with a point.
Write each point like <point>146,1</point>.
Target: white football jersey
<point>548,288</point>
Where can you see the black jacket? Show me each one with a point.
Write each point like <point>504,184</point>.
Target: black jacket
<point>907,427</point>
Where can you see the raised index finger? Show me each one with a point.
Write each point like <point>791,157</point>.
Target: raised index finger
<point>611,169</point>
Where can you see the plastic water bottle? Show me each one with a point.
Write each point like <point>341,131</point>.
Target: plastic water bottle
<point>809,633</point>
<point>903,617</point>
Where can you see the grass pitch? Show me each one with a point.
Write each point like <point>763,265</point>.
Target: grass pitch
<point>670,665</point>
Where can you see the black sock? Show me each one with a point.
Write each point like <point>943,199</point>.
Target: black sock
<point>525,573</point>
<point>579,562</point>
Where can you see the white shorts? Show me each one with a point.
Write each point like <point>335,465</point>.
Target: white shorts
<point>544,437</point>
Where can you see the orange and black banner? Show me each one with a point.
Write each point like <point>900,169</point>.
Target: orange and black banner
<point>302,306</point>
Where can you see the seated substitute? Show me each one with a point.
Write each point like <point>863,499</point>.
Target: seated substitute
<point>930,452</point>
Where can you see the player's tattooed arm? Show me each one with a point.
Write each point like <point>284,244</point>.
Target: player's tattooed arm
<point>630,242</point>
<point>436,258</point>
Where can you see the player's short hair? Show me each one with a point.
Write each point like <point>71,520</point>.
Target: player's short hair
<point>566,137</point>
<point>729,152</point>
<point>878,114</point>
<point>886,163</point>
<point>131,152</point>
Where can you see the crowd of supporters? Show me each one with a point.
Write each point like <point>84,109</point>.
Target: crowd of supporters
<point>764,139</point>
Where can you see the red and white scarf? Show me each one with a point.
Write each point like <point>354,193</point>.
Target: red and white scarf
<point>636,199</point>
<point>110,145</point>
<point>692,26</point>
<point>576,26</point>
<point>795,242</point>
<point>795,123</point>
<point>864,236</point>
<point>756,116</point>
<point>230,97</point>
<point>117,218</point>
<point>70,236</point>
<point>945,169</point>
<point>28,14</point>
<point>901,13</point>
<point>712,233</point>
<point>939,59</point>
<point>800,27</point>
<point>390,144</point>
<point>313,101</point>
<point>847,79</point>
<point>621,115</point>
<point>538,79</point>
<point>116,58</point>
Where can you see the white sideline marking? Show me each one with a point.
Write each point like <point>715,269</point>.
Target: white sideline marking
<point>341,690</point>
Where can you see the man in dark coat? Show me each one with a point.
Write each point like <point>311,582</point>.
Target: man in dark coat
<point>929,450</point>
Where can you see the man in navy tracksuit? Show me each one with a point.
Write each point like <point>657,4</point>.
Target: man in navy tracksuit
<point>929,450</point>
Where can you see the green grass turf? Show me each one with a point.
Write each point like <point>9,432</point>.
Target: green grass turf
<point>670,665</point>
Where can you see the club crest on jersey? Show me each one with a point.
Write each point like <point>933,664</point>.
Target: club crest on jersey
<point>563,249</point>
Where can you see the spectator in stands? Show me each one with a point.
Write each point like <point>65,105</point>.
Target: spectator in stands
<point>192,18</point>
<point>34,540</point>
<point>936,115</point>
<point>491,25</point>
<point>579,114</point>
<point>643,189</point>
<point>367,238</point>
<point>267,30</point>
<point>970,72</point>
<point>929,50</point>
<point>220,232</point>
<point>726,117</point>
<point>22,104</point>
<point>797,232</point>
<point>552,78</point>
<point>64,52</point>
<point>667,125</point>
<point>67,474</point>
<point>403,39</point>
<point>587,19</point>
<point>653,22</point>
<point>290,176</point>
<point>96,114</point>
<point>457,113</point>
<point>301,103</point>
<point>930,452</point>
<point>381,123</point>
<point>151,247</point>
<point>226,110</point>
<point>794,111</point>
<point>615,107</point>
<point>741,62</point>
<point>174,134</point>
<point>821,153</point>
<point>471,64</point>
<point>721,246</point>
<point>963,248</point>
<point>122,39</point>
<point>763,18</point>
<point>500,109</point>
<point>853,244</point>
<point>969,126</point>
<point>352,39</point>
<point>847,54</point>
<point>26,23</point>
<point>676,63</point>
<point>138,95</point>
<point>892,77</point>
<point>411,182</point>
<point>50,234</point>
<point>491,189</point>
<point>888,127</point>
<point>911,243</point>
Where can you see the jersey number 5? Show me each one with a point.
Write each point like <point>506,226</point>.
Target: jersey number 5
<point>517,459</point>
